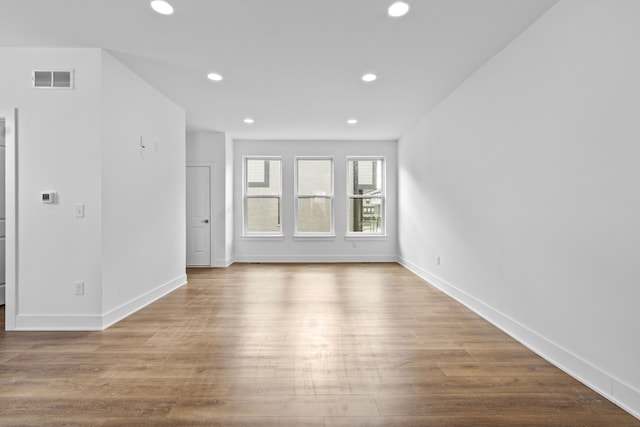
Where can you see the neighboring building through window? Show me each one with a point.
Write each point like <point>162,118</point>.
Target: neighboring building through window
<point>258,173</point>
<point>365,193</point>
<point>262,196</point>
<point>314,196</point>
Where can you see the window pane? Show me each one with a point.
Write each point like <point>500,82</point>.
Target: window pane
<point>365,215</point>
<point>263,214</point>
<point>314,215</point>
<point>43,78</point>
<point>257,172</point>
<point>314,177</point>
<point>263,177</point>
<point>365,177</point>
<point>61,79</point>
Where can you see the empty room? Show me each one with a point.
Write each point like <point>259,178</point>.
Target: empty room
<point>320,213</point>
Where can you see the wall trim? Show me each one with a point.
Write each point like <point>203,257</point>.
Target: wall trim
<point>56,322</point>
<point>115,315</point>
<point>95,322</point>
<point>315,258</point>
<point>608,386</point>
<point>223,263</point>
<point>11,217</point>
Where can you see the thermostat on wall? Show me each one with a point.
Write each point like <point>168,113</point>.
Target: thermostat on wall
<point>48,197</point>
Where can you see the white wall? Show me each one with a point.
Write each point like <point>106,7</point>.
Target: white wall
<point>83,144</point>
<point>143,193</point>
<point>212,147</point>
<point>303,249</point>
<point>3,197</point>
<point>525,182</point>
<point>59,150</point>
<point>229,211</point>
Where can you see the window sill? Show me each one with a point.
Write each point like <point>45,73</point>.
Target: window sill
<point>366,236</point>
<point>310,237</point>
<point>262,237</point>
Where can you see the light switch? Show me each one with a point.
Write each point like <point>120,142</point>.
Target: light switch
<point>79,209</point>
<point>143,148</point>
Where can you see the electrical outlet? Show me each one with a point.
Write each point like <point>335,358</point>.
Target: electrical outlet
<point>79,288</point>
<point>79,210</point>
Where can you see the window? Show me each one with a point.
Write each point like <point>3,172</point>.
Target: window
<point>365,193</point>
<point>262,196</point>
<point>258,173</point>
<point>314,196</point>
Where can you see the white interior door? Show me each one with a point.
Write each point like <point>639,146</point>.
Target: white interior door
<point>198,215</point>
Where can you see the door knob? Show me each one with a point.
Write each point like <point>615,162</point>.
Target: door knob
<point>206,221</point>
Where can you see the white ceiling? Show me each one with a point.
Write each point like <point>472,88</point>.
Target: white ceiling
<point>292,65</point>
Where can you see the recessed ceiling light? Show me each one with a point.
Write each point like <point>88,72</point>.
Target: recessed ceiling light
<point>398,9</point>
<point>369,77</point>
<point>248,120</point>
<point>352,121</point>
<point>162,7</point>
<point>214,76</point>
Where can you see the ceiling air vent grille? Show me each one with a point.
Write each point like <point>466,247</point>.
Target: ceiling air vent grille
<point>52,79</point>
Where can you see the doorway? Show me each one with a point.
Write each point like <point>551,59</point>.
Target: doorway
<point>199,214</point>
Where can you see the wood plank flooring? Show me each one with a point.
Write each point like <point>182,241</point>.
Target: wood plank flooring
<point>292,345</point>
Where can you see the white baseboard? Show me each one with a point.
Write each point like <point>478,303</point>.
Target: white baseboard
<point>138,303</point>
<point>54,322</point>
<point>2,291</point>
<point>49,322</point>
<point>222,262</point>
<point>301,259</point>
<point>608,386</point>
<point>315,258</point>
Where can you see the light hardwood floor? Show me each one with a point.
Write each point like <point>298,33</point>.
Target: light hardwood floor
<point>292,345</point>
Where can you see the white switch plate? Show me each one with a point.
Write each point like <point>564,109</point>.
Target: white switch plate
<point>79,210</point>
<point>79,288</point>
<point>143,148</point>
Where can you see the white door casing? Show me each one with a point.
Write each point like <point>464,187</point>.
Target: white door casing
<point>2,210</point>
<point>11,217</point>
<point>198,215</point>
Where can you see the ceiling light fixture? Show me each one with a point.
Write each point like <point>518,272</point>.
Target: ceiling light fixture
<point>352,121</point>
<point>398,9</point>
<point>214,76</point>
<point>162,7</point>
<point>369,77</point>
<point>248,121</point>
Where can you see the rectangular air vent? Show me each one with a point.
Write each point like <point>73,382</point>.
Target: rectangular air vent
<point>52,79</point>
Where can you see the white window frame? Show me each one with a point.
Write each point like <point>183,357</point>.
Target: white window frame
<point>383,197</point>
<point>246,197</point>
<point>331,233</point>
